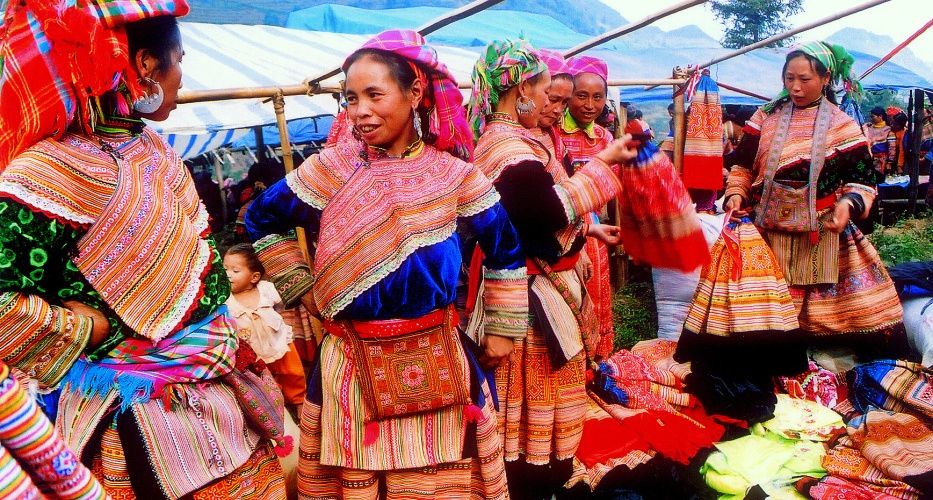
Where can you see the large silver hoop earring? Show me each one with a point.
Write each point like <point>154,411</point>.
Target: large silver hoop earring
<point>416,119</point>
<point>525,106</point>
<point>152,100</point>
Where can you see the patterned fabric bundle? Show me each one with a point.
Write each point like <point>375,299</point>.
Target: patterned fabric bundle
<point>703,146</point>
<point>442,97</point>
<point>555,62</point>
<point>659,225</point>
<point>57,55</point>
<point>504,64</point>
<point>34,461</point>
<point>588,64</point>
<point>834,58</point>
<point>886,453</point>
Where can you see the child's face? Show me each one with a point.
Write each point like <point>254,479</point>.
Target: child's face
<point>241,278</point>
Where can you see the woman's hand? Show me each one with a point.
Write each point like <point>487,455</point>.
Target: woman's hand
<point>618,151</point>
<point>734,203</point>
<point>605,233</point>
<point>310,304</point>
<point>840,216</point>
<point>499,350</point>
<point>586,266</point>
<point>101,329</point>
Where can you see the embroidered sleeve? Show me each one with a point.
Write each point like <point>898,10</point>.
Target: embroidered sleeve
<point>270,223</point>
<point>505,294</point>
<point>588,190</point>
<point>40,337</point>
<point>30,441</point>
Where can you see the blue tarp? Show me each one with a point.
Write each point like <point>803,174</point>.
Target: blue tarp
<point>300,131</point>
<point>475,31</point>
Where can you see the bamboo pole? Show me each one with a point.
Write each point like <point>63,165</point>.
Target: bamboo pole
<point>745,92</point>
<point>430,27</point>
<point>278,102</point>
<point>628,28</point>
<point>680,126</point>
<point>790,33</point>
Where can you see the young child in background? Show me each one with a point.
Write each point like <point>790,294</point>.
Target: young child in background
<point>255,304</point>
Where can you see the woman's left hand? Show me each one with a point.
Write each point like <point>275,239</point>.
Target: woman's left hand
<point>840,218</point>
<point>605,233</point>
<point>499,350</point>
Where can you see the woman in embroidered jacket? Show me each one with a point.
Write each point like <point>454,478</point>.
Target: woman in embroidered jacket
<point>584,139</point>
<point>112,290</point>
<point>541,391</point>
<point>398,401</point>
<point>804,169</point>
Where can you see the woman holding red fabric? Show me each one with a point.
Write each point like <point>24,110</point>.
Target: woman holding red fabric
<point>113,291</point>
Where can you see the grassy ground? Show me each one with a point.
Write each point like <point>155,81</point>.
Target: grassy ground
<point>634,314</point>
<point>908,240</point>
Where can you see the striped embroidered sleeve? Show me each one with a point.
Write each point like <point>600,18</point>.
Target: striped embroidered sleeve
<point>505,294</point>
<point>588,190</point>
<point>39,338</point>
<point>270,223</point>
<point>30,442</point>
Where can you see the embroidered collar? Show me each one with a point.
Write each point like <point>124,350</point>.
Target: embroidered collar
<point>570,126</point>
<point>411,150</point>
<point>502,117</point>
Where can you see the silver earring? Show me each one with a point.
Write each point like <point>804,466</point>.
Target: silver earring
<point>152,100</point>
<point>416,118</point>
<point>525,106</point>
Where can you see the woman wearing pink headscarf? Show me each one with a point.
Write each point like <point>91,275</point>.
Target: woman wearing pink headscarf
<point>398,405</point>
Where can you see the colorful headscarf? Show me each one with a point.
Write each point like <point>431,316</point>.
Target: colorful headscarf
<point>503,65</point>
<point>588,64</point>
<point>834,58</point>
<point>442,97</point>
<point>556,64</point>
<point>59,54</point>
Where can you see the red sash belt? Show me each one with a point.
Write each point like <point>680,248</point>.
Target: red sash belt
<point>822,203</point>
<point>384,328</point>
<point>562,264</point>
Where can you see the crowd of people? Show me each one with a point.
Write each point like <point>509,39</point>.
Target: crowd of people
<point>456,261</point>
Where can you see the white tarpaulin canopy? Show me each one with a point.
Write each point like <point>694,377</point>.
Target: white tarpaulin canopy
<point>220,56</point>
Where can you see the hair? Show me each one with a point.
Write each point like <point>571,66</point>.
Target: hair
<point>817,67</point>
<point>638,114</point>
<point>670,107</point>
<point>404,75</point>
<point>879,111</point>
<point>248,253</point>
<point>899,121</point>
<point>159,35</point>
<point>562,76</point>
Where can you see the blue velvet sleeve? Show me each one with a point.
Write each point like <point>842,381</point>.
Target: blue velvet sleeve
<point>427,279</point>
<point>279,210</point>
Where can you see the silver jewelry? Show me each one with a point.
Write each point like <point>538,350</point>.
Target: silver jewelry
<point>416,118</point>
<point>152,100</point>
<point>525,106</point>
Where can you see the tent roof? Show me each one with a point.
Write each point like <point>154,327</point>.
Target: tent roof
<point>235,56</point>
<point>474,31</point>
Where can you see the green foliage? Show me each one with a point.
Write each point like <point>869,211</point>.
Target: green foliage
<point>750,21</point>
<point>908,240</point>
<point>634,315</point>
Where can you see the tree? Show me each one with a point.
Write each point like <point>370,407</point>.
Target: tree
<point>750,21</point>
